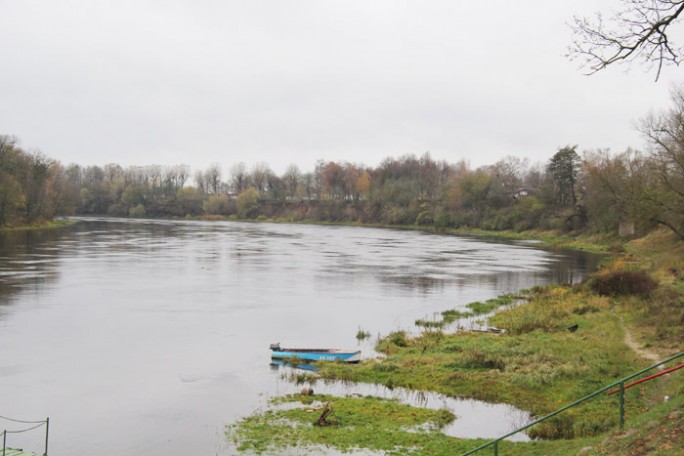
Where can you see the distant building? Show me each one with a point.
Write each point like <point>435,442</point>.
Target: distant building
<point>522,193</point>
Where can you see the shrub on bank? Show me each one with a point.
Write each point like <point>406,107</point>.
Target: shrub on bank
<point>623,283</point>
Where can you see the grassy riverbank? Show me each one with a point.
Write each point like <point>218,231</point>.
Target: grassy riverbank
<point>539,365</point>
<point>43,225</point>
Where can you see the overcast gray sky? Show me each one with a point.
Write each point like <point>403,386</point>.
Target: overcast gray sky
<point>282,81</point>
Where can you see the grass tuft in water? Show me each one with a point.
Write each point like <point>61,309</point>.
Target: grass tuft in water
<point>362,334</point>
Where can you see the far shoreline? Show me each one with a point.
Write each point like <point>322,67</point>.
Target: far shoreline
<point>591,243</point>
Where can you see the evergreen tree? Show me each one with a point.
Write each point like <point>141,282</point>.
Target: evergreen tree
<point>564,168</point>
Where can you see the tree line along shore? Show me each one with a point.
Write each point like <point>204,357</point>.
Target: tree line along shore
<point>628,193</point>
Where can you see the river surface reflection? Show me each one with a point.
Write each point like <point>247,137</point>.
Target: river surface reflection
<point>148,337</point>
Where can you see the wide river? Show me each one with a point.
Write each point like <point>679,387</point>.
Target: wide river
<point>149,337</point>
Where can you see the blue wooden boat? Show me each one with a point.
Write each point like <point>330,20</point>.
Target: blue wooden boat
<point>315,354</point>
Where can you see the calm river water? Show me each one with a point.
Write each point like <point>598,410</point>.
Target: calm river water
<point>149,337</point>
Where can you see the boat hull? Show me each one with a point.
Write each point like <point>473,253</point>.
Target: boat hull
<point>312,355</point>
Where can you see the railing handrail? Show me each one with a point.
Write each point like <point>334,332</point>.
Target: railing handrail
<point>619,383</point>
<point>37,424</point>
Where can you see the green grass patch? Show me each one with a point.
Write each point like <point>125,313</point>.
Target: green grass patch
<point>369,423</point>
<point>451,315</point>
<point>481,308</point>
<point>430,324</point>
<point>37,226</point>
<point>539,364</point>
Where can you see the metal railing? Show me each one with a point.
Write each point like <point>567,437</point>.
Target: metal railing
<point>35,425</point>
<point>620,384</point>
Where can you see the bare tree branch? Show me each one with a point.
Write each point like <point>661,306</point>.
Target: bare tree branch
<point>637,32</point>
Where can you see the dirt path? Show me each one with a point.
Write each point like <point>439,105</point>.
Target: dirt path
<point>641,351</point>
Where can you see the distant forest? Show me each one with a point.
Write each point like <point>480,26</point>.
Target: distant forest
<point>628,193</point>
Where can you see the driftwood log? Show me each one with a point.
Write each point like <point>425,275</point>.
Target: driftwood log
<point>323,419</point>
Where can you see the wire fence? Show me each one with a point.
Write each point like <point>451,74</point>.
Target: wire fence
<point>34,425</point>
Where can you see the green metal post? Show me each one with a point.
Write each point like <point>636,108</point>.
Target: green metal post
<point>622,405</point>
<point>47,431</point>
<point>4,441</point>
<point>620,383</point>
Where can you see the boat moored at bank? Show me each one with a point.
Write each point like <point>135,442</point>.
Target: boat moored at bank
<point>315,354</point>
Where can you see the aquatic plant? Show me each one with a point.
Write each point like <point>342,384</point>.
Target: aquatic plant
<point>362,335</point>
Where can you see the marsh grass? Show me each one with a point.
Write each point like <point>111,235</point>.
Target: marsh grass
<point>452,315</point>
<point>476,308</point>
<point>368,423</point>
<point>538,365</point>
<point>481,308</point>
<point>298,377</point>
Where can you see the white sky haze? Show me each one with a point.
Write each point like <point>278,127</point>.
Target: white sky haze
<point>282,81</point>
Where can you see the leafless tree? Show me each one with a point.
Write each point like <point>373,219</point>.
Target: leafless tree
<point>209,181</point>
<point>182,173</point>
<point>174,177</point>
<point>638,31</point>
<point>665,135</point>
<point>260,175</point>
<point>213,178</point>
<point>201,182</point>
<point>239,177</point>
<point>292,179</point>
<point>308,184</point>
<point>112,172</point>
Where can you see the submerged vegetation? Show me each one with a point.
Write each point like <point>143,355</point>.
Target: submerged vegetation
<point>560,344</point>
<point>475,309</point>
<point>362,334</point>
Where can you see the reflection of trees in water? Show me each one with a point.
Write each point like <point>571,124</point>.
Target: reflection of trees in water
<point>565,268</point>
<point>573,267</point>
<point>422,283</point>
<point>28,260</point>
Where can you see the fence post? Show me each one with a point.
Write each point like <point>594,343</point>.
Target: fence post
<point>496,448</point>
<point>622,405</point>
<point>47,431</point>
<point>4,441</point>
